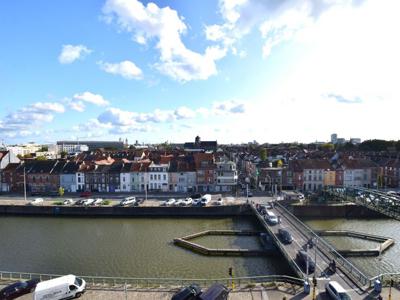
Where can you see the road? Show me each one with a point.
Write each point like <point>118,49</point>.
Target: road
<point>323,275</point>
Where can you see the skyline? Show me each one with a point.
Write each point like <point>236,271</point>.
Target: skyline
<point>169,70</point>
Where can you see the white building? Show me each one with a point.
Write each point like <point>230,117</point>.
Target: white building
<point>158,177</point>
<point>225,176</point>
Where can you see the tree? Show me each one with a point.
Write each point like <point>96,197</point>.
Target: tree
<point>41,158</point>
<point>263,154</point>
<point>328,147</point>
<point>63,154</point>
<point>279,163</point>
<point>61,191</point>
<point>44,149</point>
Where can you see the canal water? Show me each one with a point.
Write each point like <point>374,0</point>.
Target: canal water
<point>127,247</point>
<point>387,263</point>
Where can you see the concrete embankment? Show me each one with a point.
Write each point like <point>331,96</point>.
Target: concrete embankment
<point>333,211</point>
<point>118,211</point>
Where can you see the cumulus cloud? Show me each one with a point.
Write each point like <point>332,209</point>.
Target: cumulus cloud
<point>343,99</point>
<point>151,22</point>
<point>89,97</point>
<point>71,53</point>
<point>277,21</point>
<point>25,120</point>
<point>126,69</point>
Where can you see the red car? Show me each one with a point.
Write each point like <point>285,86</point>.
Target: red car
<point>86,194</point>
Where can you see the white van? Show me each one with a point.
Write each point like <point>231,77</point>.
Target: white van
<point>65,287</point>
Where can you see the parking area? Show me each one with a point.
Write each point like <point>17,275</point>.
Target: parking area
<point>115,200</point>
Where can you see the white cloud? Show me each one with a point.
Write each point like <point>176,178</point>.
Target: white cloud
<point>277,21</point>
<point>126,69</point>
<point>89,97</point>
<point>77,105</point>
<point>71,53</point>
<point>26,119</point>
<point>166,26</point>
<point>229,107</point>
<point>116,116</point>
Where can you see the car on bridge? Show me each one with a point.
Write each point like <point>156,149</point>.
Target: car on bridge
<point>190,292</point>
<point>18,289</point>
<point>303,259</point>
<point>271,218</point>
<point>285,236</point>
<point>336,291</point>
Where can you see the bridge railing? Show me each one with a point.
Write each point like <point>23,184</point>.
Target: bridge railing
<point>278,243</point>
<point>386,278</point>
<point>328,250</point>
<point>130,282</point>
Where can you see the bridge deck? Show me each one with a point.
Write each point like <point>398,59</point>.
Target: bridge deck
<point>301,238</point>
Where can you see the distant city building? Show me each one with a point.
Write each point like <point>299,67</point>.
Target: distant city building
<point>199,145</point>
<point>333,138</point>
<point>26,149</point>
<point>78,146</point>
<point>355,141</point>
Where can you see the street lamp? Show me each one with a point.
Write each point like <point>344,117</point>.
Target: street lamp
<point>247,180</point>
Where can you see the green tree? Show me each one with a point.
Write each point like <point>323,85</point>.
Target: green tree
<point>328,147</point>
<point>44,149</point>
<point>41,158</point>
<point>263,154</point>
<point>61,191</point>
<point>63,154</point>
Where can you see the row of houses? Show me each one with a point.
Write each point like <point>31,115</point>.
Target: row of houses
<point>315,174</point>
<point>168,173</point>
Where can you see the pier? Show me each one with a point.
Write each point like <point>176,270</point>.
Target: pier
<point>185,242</point>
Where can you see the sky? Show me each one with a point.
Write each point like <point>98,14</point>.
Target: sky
<point>229,70</point>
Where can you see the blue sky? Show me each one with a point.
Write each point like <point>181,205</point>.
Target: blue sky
<point>231,70</point>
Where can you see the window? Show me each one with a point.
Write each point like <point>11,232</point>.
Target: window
<point>151,177</point>
<point>159,177</point>
<point>164,177</point>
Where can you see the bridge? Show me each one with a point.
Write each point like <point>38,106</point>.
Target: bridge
<point>384,203</point>
<point>347,274</point>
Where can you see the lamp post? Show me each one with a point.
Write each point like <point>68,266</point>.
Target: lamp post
<point>247,180</point>
<point>24,184</point>
<point>315,262</point>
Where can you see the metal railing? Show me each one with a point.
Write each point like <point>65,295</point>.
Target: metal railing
<point>383,203</point>
<point>130,282</point>
<point>328,250</point>
<point>278,243</point>
<point>386,279</point>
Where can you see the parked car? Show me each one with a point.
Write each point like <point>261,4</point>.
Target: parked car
<point>36,201</point>
<point>336,291</point>
<point>88,202</point>
<point>170,202</point>
<point>178,202</point>
<point>196,201</point>
<point>69,201</point>
<point>220,201</point>
<point>98,201</point>
<point>86,194</point>
<point>285,236</point>
<point>128,201</point>
<point>205,199</point>
<point>18,289</point>
<point>80,202</point>
<point>215,292</point>
<point>186,293</point>
<point>302,257</point>
<point>65,287</point>
<point>187,201</point>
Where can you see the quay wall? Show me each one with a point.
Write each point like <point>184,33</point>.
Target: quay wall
<point>118,211</point>
<point>301,211</point>
<point>333,211</point>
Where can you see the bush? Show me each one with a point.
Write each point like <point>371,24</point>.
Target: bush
<point>106,202</point>
<point>58,203</point>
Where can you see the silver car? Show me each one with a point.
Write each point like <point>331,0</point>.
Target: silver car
<point>336,291</point>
